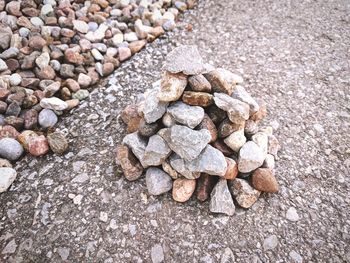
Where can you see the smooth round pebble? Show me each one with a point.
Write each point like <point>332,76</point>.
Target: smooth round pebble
<point>47,118</point>
<point>10,149</point>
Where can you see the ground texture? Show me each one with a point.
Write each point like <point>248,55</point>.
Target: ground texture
<point>293,54</point>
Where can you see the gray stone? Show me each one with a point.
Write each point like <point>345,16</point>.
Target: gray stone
<point>244,194</point>
<point>53,104</point>
<point>269,161</point>
<point>186,59</point>
<point>80,26</point>
<point>7,177</point>
<point>180,166</point>
<point>270,242</point>
<point>250,157</point>
<point>241,94</point>
<point>153,109</point>
<point>296,257</point>
<point>9,53</point>
<point>158,182</point>
<point>5,37</point>
<point>43,60</point>
<point>10,149</point>
<point>157,254</point>
<point>187,143</point>
<point>172,86</point>
<point>185,114</point>
<point>137,145</point>
<point>237,110</point>
<point>221,199</point>
<point>147,129</point>
<point>210,161</point>
<point>261,139</point>
<point>156,152</point>
<point>47,118</point>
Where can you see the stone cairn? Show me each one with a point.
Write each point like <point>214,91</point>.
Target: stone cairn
<point>52,51</point>
<point>197,128</point>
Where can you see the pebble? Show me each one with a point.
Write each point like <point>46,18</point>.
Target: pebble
<point>296,257</point>
<point>81,94</point>
<point>221,199</point>
<point>244,194</point>
<point>10,149</point>
<point>270,242</point>
<point>158,182</point>
<point>193,98</point>
<point>7,177</point>
<point>153,108</point>
<point>137,144</point>
<point>47,118</point>
<point>232,169</point>
<point>292,214</point>
<point>199,83</point>
<point>53,104</point>
<point>38,145</point>
<point>157,254</point>
<point>183,189</point>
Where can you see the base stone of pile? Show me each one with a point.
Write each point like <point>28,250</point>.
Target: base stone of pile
<point>221,199</point>
<point>196,131</point>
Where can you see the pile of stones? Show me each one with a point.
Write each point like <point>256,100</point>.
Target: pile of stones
<point>196,131</point>
<point>52,51</point>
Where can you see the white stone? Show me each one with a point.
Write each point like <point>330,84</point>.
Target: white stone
<point>7,177</point>
<point>270,242</point>
<point>292,214</point>
<point>53,104</point>
<point>236,140</point>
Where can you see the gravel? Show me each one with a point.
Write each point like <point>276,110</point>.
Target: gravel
<point>295,57</point>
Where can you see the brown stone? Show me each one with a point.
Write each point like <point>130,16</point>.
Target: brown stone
<point>227,127</point>
<point>37,42</point>
<point>65,93</point>
<point>250,127</point>
<point>38,145</point>
<point>31,12</point>
<point>170,170</point>
<point>273,146</point>
<point>209,125</point>
<point>107,69</point>
<point>222,80</point>
<point>136,46</point>
<point>45,73</point>
<point>25,137</point>
<point>3,106</point>
<point>206,184</point>
<point>24,22</point>
<point>12,64</point>
<point>124,53</point>
<point>132,168</point>
<point>72,103</point>
<point>194,98</point>
<point>222,147</point>
<point>30,82</point>
<point>8,131</point>
<point>72,85</point>
<point>65,32</point>
<point>13,8</point>
<point>232,169</point>
<point>157,31</point>
<point>57,142</point>
<point>183,189</point>
<point>199,83</point>
<point>131,117</point>
<point>263,179</point>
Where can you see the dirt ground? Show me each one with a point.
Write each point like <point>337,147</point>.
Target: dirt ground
<point>293,54</point>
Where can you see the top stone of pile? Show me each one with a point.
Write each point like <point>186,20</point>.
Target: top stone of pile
<point>185,59</point>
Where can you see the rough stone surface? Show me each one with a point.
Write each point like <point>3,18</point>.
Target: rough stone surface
<point>199,83</point>
<point>157,181</point>
<point>250,158</point>
<point>153,109</point>
<point>185,114</point>
<point>156,152</point>
<point>236,140</point>
<point>210,161</point>
<point>136,144</point>
<point>7,177</point>
<point>57,142</point>
<point>222,80</point>
<point>221,199</point>
<point>241,94</point>
<point>186,59</point>
<point>187,143</point>
<point>193,98</point>
<point>172,86</point>
<point>205,184</point>
<point>244,194</point>
<point>180,166</point>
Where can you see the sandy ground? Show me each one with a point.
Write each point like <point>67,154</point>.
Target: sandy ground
<point>293,54</point>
